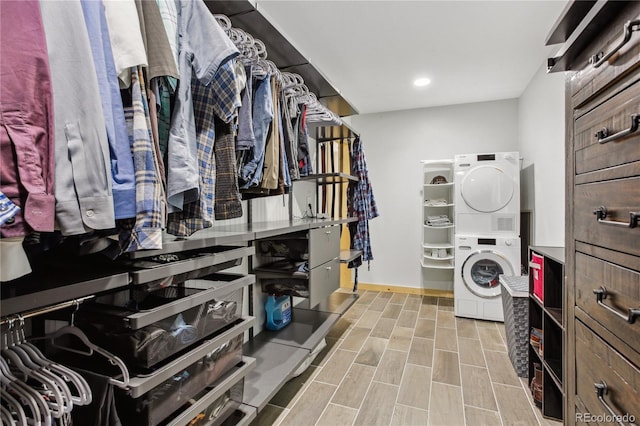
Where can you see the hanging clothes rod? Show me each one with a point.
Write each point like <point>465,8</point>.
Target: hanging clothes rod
<point>46,310</point>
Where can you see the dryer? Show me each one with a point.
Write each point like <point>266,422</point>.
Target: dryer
<point>479,261</point>
<point>487,193</point>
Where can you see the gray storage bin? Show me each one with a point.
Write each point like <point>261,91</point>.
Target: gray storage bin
<point>515,304</point>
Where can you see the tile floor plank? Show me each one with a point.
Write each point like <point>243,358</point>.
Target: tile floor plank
<point>407,319</point>
<point>337,415</point>
<point>404,416</point>
<point>425,328</point>
<point>412,303</point>
<point>379,304</point>
<point>446,406</point>
<point>491,339</point>
<point>371,351</point>
<point>446,319</point>
<point>400,339</point>
<point>470,351</point>
<point>355,339</point>
<point>500,368</point>
<point>467,328</point>
<point>415,387</point>
<point>336,367</point>
<point>421,352</point>
<point>446,368</point>
<point>377,407</point>
<point>353,388</point>
<point>398,298</point>
<point>391,367</point>
<point>392,311</point>
<point>307,410</point>
<point>479,417</point>
<point>369,319</point>
<point>514,406</point>
<point>476,388</point>
<point>446,339</point>
<point>383,328</point>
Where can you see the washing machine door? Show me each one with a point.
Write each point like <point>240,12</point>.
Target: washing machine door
<point>487,189</point>
<point>481,271</point>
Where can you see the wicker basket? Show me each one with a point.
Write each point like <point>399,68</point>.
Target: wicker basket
<point>515,304</point>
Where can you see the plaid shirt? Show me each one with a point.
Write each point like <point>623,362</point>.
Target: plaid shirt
<point>360,204</point>
<point>7,209</point>
<point>216,164</point>
<point>146,231</point>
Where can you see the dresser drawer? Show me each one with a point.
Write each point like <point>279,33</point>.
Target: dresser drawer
<point>324,245</point>
<point>622,288</point>
<point>596,73</point>
<point>620,197</point>
<point>609,135</point>
<point>597,364</point>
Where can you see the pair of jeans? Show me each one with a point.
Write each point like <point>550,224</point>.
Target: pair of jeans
<point>251,173</point>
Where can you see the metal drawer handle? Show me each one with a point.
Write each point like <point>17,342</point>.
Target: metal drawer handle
<point>603,135</point>
<point>601,215</point>
<point>629,27</point>
<point>601,391</point>
<point>632,313</point>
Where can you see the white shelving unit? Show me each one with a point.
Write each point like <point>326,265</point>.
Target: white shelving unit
<point>437,238</point>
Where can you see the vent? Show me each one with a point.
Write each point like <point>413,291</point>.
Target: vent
<point>486,157</point>
<point>504,224</point>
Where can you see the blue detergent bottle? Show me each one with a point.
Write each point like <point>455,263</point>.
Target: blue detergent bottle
<point>278,311</point>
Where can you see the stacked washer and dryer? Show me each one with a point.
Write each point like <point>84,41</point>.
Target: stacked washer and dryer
<point>487,233</point>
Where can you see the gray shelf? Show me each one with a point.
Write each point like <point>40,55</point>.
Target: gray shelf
<point>330,178</point>
<point>307,328</point>
<point>337,303</point>
<point>56,294</point>
<point>347,256</point>
<point>555,253</point>
<point>275,364</point>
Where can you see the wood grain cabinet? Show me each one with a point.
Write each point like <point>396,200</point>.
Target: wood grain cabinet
<point>601,54</point>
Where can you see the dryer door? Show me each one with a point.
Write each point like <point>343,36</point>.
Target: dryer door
<point>481,271</point>
<point>487,189</point>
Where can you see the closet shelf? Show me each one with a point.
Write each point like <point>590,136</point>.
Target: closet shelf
<point>347,256</point>
<point>437,264</point>
<point>330,178</point>
<point>439,185</point>
<point>439,205</point>
<point>438,258</point>
<point>438,245</point>
<point>439,227</point>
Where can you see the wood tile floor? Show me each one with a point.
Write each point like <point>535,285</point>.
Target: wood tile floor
<point>398,359</point>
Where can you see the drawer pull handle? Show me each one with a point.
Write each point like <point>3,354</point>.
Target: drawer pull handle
<point>629,27</point>
<point>603,135</point>
<point>632,313</point>
<point>601,215</point>
<point>601,391</point>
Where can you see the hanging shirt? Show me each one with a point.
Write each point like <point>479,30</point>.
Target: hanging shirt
<point>246,139</point>
<point>161,61</point>
<point>169,14</point>
<point>146,232</point>
<point>27,142</point>
<point>122,174</point>
<point>203,47</point>
<point>126,37</point>
<point>8,210</point>
<point>360,204</point>
<point>82,173</point>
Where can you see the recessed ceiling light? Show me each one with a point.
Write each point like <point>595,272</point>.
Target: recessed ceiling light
<point>421,82</point>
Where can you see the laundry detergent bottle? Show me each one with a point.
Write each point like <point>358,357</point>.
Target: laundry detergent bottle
<point>278,311</point>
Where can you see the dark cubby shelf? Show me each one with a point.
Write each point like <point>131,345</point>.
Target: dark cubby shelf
<point>547,314</point>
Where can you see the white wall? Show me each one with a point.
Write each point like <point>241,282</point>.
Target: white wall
<point>394,144</point>
<point>541,144</point>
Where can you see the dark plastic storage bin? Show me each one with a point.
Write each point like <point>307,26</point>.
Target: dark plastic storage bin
<point>155,406</point>
<point>146,328</point>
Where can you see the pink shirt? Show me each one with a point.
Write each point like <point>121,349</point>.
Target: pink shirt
<point>26,119</point>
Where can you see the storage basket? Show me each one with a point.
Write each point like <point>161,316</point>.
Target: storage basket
<point>515,304</point>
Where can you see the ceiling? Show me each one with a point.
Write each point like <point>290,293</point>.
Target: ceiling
<point>371,51</point>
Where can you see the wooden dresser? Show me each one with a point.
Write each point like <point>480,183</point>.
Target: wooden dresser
<point>601,54</point>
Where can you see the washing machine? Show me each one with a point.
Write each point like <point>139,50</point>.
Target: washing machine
<point>487,193</point>
<point>479,261</point>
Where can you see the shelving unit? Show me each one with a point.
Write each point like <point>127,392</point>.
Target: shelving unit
<point>547,314</point>
<point>437,241</point>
